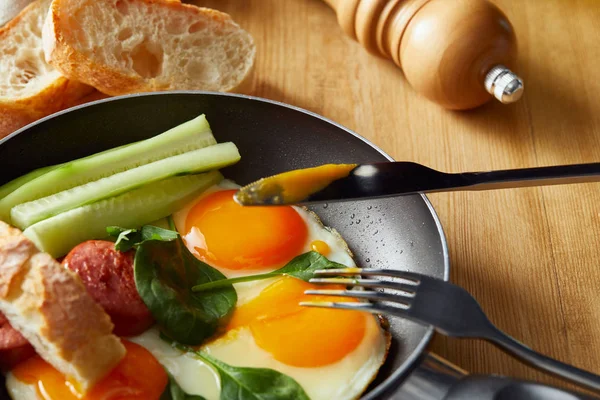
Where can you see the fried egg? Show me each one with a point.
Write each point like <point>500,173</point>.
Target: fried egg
<point>242,241</point>
<point>332,354</point>
<point>268,328</point>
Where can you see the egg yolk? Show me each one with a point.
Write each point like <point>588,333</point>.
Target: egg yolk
<point>296,335</point>
<point>138,376</point>
<point>236,237</point>
<point>320,247</point>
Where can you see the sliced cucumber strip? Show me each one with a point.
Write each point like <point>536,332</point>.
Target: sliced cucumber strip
<point>202,160</point>
<point>192,135</point>
<point>13,185</point>
<point>59,234</point>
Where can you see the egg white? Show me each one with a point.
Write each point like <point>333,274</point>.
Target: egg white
<point>344,380</point>
<point>18,390</point>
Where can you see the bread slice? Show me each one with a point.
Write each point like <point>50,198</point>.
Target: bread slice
<point>10,8</point>
<point>49,305</point>
<point>15,117</point>
<point>29,87</point>
<point>126,46</point>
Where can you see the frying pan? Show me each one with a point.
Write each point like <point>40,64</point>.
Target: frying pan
<point>400,233</point>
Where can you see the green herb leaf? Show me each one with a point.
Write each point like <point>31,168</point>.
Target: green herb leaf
<point>128,238</point>
<point>241,383</point>
<point>164,274</point>
<point>304,266</point>
<point>174,392</point>
<point>301,267</point>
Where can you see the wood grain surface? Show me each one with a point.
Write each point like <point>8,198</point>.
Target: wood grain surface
<point>530,256</point>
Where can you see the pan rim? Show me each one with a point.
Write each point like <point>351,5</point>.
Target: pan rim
<point>413,358</point>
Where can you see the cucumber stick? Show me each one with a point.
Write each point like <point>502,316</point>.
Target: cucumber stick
<point>59,234</point>
<point>192,135</point>
<point>13,185</point>
<point>201,160</point>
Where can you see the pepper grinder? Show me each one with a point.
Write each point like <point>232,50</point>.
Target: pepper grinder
<point>457,53</point>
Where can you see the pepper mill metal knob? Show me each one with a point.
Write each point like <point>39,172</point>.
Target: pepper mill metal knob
<point>457,53</point>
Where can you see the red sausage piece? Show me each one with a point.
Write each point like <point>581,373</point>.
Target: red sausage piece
<point>108,276</point>
<point>14,348</point>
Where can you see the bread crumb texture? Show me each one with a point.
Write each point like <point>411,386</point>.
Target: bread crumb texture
<point>125,46</point>
<point>30,88</point>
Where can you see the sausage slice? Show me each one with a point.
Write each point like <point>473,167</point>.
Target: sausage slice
<point>108,277</point>
<point>14,348</point>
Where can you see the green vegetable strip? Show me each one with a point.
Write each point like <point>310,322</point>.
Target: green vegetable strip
<point>189,136</point>
<point>59,234</point>
<point>13,185</point>
<point>196,161</point>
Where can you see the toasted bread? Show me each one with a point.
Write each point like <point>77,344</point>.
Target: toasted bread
<point>49,305</point>
<point>127,46</point>
<point>29,87</point>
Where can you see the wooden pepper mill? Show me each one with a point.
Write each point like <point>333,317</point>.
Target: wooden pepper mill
<point>457,53</point>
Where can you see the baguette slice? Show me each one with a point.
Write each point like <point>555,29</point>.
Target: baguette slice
<point>49,305</point>
<point>126,46</point>
<point>10,8</point>
<point>30,88</point>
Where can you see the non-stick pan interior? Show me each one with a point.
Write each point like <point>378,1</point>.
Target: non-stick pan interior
<point>401,232</point>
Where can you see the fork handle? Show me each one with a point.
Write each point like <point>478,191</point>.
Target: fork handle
<point>541,362</point>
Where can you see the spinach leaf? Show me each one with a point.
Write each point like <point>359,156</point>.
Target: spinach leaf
<point>174,392</point>
<point>128,238</point>
<point>301,267</point>
<point>242,383</point>
<point>304,266</point>
<point>164,274</point>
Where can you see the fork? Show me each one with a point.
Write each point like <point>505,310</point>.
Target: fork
<point>450,309</point>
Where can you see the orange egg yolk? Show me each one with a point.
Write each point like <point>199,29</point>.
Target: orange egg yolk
<point>138,376</point>
<point>236,237</point>
<point>300,336</point>
<point>320,247</point>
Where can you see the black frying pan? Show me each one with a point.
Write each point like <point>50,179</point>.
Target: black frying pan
<point>273,137</point>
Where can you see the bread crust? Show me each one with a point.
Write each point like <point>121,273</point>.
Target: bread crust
<point>13,117</point>
<point>80,67</point>
<point>59,93</point>
<point>49,305</point>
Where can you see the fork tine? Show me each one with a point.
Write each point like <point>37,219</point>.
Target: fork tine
<point>364,294</point>
<point>373,308</point>
<point>368,283</point>
<point>410,276</point>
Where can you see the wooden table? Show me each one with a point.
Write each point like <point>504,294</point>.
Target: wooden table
<point>530,256</point>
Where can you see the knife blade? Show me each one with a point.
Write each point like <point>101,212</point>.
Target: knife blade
<point>343,182</point>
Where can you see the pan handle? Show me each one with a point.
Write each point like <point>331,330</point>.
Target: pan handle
<point>437,379</point>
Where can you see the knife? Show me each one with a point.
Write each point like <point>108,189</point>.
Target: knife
<point>342,182</point>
